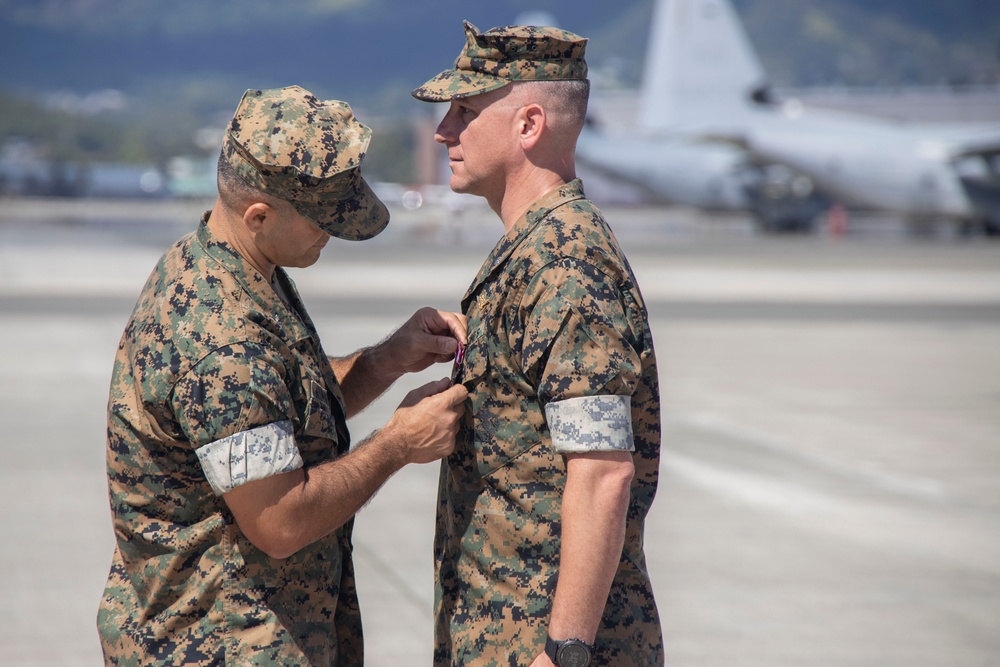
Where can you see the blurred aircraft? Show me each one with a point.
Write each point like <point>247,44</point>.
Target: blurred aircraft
<point>713,176</point>
<point>679,164</point>
<point>709,133</point>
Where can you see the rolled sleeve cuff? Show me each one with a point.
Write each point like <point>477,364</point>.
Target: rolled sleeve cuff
<point>591,424</point>
<point>249,455</point>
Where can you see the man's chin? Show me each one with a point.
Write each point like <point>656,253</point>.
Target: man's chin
<point>302,262</point>
<point>459,186</point>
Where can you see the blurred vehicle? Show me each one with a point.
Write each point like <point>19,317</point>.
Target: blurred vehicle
<point>192,177</point>
<point>43,178</point>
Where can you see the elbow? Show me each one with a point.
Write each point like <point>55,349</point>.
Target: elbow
<point>610,481</point>
<point>613,485</point>
<point>605,475</point>
<point>269,512</point>
<point>277,543</point>
<point>617,470</point>
<point>619,481</point>
<point>626,473</point>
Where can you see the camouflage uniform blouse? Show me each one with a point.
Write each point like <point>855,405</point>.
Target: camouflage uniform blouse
<point>559,360</point>
<point>218,382</point>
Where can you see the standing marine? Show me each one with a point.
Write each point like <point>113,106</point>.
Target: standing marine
<point>232,477</point>
<point>539,540</point>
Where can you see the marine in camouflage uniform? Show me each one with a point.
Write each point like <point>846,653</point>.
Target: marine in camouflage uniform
<point>220,380</point>
<point>560,361</point>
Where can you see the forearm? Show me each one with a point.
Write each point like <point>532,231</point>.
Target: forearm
<point>363,376</point>
<point>428,337</point>
<point>282,513</point>
<point>332,492</point>
<point>594,510</point>
<point>308,504</point>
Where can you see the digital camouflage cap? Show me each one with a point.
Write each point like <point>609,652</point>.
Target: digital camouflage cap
<point>308,152</point>
<point>497,57</point>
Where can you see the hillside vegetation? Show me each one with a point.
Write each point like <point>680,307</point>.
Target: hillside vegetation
<point>180,66</point>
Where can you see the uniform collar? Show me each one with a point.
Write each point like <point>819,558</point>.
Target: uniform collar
<point>524,225</point>
<point>291,326</point>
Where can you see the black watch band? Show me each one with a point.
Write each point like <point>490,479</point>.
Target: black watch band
<point>569,652</point>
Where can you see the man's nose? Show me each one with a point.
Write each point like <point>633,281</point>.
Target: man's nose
<point>439,133</point>
<point>444,133</point>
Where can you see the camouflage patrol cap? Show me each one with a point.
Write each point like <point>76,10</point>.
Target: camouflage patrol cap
<point>308,152</point>
<point>492,59</point>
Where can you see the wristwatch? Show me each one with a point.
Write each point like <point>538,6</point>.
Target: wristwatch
<point>568,652</point>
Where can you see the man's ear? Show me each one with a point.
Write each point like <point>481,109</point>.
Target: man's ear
<point>256,215</point>
<point>531,125</point>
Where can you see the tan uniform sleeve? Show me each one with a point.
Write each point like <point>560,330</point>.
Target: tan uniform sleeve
<point>236,411</point>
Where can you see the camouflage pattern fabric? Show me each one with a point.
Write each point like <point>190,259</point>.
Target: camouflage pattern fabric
<point>492,59</point>
<point>590,424</point>
<point>554,314</point>
<point>308,152</point>
<point>211,351</point>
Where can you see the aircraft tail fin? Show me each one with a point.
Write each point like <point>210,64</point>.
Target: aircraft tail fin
<point>700,66</point>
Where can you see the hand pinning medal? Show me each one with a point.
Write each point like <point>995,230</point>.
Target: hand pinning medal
<point>459,358</point>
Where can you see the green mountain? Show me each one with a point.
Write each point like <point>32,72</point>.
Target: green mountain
<point>180,65</point>
<point>876,42</point>
<point>366,49</point>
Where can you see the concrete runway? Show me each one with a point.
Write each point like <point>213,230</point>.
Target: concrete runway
<point>830,487</point>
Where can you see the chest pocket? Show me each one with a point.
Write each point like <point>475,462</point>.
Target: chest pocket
<point>320,434</point>
<point>495,428</point>
<point>318,419</point>
<point>474,364</point>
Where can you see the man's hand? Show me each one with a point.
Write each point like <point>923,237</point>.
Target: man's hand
<point>282,513</point>
<point>427,421</point>
<point>428,337</point>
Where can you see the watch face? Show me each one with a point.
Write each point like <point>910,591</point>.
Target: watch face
<point>574,655</point>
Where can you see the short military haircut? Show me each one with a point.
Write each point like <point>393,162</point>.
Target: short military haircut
<point>235,192</point>
<point>567,100</point>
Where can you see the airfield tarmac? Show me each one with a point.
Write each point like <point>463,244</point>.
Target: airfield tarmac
<point>830,480</point>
